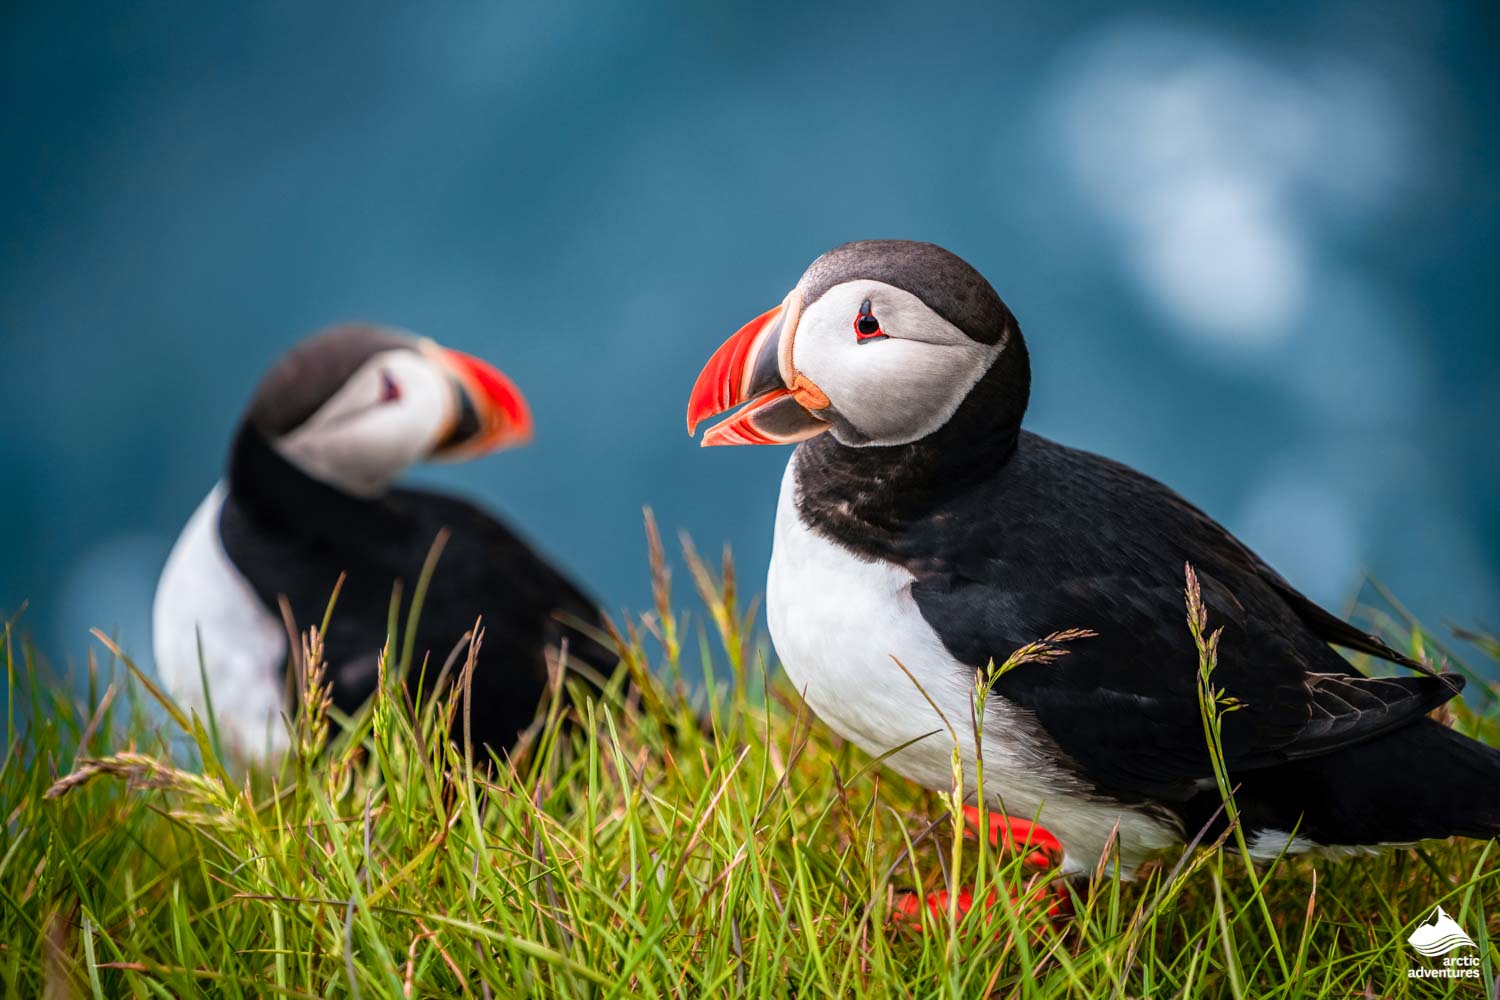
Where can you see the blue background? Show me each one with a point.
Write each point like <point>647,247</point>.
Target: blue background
<point>1251,247</point>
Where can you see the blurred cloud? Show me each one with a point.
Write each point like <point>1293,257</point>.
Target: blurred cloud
<point>1215,168</point>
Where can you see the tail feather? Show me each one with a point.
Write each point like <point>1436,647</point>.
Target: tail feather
<point>1422,782</point>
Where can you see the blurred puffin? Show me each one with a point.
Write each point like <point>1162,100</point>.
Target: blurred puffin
<point>308,496</point>
<point>918,522</point>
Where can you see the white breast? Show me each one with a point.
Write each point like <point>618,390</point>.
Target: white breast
<point>839,622</point>
<point>201,593</point>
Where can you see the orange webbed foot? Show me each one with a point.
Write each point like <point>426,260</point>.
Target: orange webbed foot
<point>1009,834</point>
<point>1040,851</point>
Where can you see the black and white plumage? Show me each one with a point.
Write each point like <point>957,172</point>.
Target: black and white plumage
<point>308,497</point>
<point>917,522</point>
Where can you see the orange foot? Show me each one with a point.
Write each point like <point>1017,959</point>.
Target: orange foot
<point>1009,834</point>
<point>908,908</point>
<point>1041,851</point>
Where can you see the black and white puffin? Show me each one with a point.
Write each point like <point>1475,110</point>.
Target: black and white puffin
<point>309,496</point>
<point>918,522</point>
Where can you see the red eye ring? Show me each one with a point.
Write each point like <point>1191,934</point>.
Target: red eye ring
<point>389,390</point>
<point>866,326</point>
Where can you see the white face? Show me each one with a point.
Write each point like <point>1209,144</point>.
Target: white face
<point>393,412</point>
<point>893,390</point>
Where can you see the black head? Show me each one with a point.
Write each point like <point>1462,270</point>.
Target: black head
<point>311,373</point>
<point>355,405</point>
<point>882,343</point>
<point>943,281</point>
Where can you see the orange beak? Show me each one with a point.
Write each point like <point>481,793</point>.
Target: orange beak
<point>755,366</point>
<point>492,413</point>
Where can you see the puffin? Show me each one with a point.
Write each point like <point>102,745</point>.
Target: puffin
<point>309,498</point>
<point>922,535</point>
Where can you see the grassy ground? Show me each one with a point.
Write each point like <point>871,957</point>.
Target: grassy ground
<point>634,854</point>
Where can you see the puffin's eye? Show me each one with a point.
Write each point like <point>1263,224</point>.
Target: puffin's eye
<point>866,326</point>
<point>389,390</point>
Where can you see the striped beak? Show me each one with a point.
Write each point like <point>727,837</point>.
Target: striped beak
<point>755,367</point>
<point>490,413</point>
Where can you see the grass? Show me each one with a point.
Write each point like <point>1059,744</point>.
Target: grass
<point>635,852</point>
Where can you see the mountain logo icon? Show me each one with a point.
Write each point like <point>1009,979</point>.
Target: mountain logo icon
<point>1439,936</point>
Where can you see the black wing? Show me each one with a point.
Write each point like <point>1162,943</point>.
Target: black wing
<point>488,570</point>
<point>486,573</point>
<point>1063,539</point>
<point>1331,628</point>
<point>292,537</point>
